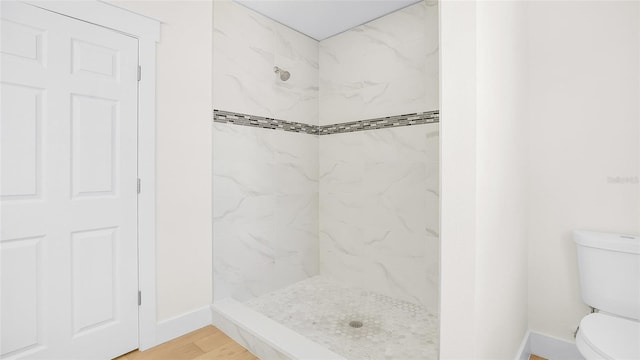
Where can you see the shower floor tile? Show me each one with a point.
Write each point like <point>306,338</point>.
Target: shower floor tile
<point>354,323</point>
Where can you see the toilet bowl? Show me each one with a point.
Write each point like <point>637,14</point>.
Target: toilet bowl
<point>604,336</point>
<point>609,268</point>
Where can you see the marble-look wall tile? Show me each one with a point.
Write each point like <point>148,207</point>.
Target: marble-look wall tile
<point>246,47</point>
<point>388,66</point>
<point>297,98</point>
<point>265,182</point>
<point>366,209</point>
<point>379,211</point>
<point>265,216</point>
<point>243,53</point>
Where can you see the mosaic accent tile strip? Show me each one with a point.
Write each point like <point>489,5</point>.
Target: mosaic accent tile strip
<point>426,117</point>
<point>228,117</point>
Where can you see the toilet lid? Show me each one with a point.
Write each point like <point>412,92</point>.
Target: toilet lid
<point>612,337</point>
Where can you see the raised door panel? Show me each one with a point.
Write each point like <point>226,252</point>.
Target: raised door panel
<point>94,143</point>
<point>20,128</point>
<point>94,279</point>
<point>21,324</point>
<point>92,59</point>
<point>22,41</point>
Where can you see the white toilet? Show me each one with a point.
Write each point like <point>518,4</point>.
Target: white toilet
<point>609,266</point>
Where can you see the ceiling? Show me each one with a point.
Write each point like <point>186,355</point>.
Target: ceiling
<point>321,19</point>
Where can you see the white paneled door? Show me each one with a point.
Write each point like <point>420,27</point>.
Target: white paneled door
<point>68,245</point>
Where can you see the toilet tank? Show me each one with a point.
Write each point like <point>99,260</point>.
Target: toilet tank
<point>609,267</point>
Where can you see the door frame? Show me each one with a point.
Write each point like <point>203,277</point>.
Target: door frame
<point>147,31</point>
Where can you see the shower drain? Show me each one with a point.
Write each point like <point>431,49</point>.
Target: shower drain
<point>356,324</point>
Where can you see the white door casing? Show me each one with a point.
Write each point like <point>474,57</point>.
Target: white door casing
<point>68,186</point>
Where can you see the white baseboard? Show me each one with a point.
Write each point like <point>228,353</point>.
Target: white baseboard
<point>525,347</point>
<point>548,347</point>
<point>182,324</point>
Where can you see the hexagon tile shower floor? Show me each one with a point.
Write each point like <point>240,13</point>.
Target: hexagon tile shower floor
<point>354,323</point>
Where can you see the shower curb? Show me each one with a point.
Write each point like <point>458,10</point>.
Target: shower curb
<point>263,336</point>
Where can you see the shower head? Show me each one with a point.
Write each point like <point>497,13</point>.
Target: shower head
<point>284,74</point>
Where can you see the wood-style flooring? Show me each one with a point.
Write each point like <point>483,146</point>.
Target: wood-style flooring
<point>536,357</point>
<point>206,343</point>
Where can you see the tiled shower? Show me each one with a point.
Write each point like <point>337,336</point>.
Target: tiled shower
<point>329,182</point>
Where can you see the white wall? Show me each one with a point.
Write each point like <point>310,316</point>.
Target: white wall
<point>457,183</point>
<point>483,248</point>
<point>501,199</point>
<point>399,76</point>
<point>183,244</point>
<point>540,102</point>
<point>583,133</point>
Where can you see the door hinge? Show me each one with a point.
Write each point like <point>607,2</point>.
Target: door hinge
<point>139,72</point>
<point>139,185</point>
<point>139,297</point>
